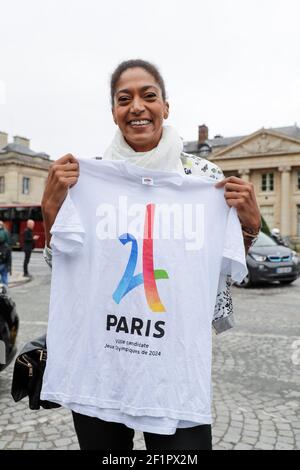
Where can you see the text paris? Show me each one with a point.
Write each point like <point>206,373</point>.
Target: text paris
<point>135,326</point>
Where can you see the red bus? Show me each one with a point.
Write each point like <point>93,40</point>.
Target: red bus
<point>15,218</point>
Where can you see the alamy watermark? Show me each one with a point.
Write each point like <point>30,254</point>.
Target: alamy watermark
<point>167,221</point>
<point>296,352</point>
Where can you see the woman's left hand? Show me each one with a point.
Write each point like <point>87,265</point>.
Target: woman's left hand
<point>240,194</point>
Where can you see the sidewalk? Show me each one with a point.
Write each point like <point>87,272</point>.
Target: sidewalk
<point>17,279</point>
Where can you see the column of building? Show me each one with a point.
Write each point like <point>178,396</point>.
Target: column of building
<point>244,174</point>
<point>285,227</point>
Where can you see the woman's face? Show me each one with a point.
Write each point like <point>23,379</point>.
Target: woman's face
<point>139,109</point>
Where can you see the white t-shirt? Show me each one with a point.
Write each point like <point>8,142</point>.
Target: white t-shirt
<point>128,340</point>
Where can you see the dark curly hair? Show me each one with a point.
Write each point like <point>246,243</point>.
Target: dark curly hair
<point>133,63</point>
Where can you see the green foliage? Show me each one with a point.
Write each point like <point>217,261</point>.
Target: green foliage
<point>264,227</point>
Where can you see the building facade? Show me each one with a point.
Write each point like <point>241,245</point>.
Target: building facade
<point>270,159</point>
<point>23,172</point>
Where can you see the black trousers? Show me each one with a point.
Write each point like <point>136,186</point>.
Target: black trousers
<point>26,260</point>
<point>97,434</point>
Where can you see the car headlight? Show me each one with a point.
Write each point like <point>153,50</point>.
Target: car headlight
<point>295,258</point>
<point>259,258</point>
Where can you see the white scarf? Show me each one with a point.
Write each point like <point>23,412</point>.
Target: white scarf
<point>164,157</point>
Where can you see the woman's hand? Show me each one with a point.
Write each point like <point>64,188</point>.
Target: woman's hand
<point>63,174</point>
<point>240,194</point>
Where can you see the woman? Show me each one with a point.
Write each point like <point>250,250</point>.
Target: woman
<point>139,108</point>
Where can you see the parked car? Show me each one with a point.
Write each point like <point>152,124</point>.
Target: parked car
<point>9,324</point>
<point>268,261</point>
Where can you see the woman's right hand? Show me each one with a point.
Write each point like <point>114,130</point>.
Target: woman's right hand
<point>63,174</point>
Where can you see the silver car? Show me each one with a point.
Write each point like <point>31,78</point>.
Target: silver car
<point>268,262</point>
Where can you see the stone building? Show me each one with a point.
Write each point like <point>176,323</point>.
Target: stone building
<point>23,172</point>
<point>270,159</point>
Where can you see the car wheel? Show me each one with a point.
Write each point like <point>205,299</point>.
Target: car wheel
<point>246,282</point>
<point>287,282</point>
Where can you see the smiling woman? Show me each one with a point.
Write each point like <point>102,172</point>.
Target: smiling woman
<point>139,104</point>
<point>174,416</point>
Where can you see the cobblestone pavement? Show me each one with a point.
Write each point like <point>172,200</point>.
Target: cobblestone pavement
<point>255,373</point>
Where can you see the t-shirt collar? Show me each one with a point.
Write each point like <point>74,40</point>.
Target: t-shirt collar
<point>154,177</point>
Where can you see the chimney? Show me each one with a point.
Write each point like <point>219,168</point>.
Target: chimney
<point>3,139</point>
<point>22,141</point>
<point>202,134</point>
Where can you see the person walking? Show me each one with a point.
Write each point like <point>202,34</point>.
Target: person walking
<point>5,258</point>
<point>28,245</point>
<point>4,234</point>
<point>169,400</point>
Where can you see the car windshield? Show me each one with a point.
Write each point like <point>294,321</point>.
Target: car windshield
<point>264,240</point>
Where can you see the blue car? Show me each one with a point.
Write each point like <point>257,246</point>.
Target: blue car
<point>267,261</point>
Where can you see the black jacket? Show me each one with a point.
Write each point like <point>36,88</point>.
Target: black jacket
<point>28,241</point>
<point>5,255</point>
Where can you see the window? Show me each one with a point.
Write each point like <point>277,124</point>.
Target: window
<point>298,180</point>
<point>267,182</point>
<point>2,184</point>
<point>25,185</point>
<point>264,240</point>
<point>298,221</point>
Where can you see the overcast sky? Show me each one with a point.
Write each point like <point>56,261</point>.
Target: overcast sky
<point>231,64</point>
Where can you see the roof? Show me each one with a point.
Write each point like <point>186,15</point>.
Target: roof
<point>290,131</point>
<point>23,150</point>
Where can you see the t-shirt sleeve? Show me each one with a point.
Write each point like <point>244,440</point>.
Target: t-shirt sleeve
<point>234,257</point>
<point>223,318</point>
<point>233,268</point>
<point>67,231</point>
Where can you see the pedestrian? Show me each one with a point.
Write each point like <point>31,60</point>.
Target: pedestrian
<point>28,245</point>
<point>4,234</point>
<point>277,237</point>
<point>108,421</point>
<point>5,258</point>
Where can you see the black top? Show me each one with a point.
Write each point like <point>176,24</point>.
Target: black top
<point>5,255</point>
<point>28,241</point>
